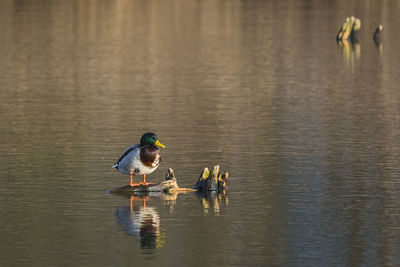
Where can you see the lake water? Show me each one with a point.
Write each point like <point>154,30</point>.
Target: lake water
<point>308,130</point>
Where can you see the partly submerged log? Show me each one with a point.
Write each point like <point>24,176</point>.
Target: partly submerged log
<point>349,29</point>
<point>214,182</point>
<point>168,185</point>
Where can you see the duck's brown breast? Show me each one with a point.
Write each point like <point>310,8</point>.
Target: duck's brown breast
<point>150,155</point>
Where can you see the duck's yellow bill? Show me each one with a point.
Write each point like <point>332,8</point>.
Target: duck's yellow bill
<point>157,143</point>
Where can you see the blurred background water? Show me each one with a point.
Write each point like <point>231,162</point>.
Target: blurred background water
<point>308,130</point>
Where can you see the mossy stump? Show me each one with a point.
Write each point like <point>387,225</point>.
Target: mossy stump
<point>214,181</point>
<point>349,29</point>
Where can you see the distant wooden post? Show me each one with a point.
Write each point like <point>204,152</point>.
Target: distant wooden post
<point>377,35</point>
<point>349,29</point>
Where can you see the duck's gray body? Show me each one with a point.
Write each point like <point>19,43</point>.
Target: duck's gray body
<point>138,160</point>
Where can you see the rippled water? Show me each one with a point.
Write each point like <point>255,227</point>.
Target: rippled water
<point>308,130</point>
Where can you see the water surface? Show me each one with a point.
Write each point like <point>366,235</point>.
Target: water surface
<point>308,130</point>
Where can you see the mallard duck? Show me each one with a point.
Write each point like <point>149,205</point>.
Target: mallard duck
<point>140,159</point>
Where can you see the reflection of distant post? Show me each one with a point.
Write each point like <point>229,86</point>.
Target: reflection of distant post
<point>351,50</point>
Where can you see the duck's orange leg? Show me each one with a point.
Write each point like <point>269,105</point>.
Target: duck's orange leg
<point>144,180</point>
<point>132,184</point>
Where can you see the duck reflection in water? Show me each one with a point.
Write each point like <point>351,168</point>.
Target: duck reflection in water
<point>141,220</point>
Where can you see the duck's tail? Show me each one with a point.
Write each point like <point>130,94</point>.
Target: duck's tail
<point>115,166</point>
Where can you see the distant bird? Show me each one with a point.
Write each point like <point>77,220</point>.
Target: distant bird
<point>377,34</point>
<point>140,159</point>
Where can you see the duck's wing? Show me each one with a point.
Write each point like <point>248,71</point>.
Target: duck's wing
<point>127,151</point>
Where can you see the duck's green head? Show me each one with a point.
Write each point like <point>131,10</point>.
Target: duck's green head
<point>150,139</point>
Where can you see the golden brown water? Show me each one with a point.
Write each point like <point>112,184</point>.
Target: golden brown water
<point>308,130</point>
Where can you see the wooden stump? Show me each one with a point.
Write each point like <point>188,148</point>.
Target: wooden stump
<point>349,29</point>
<point>212,182</point>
